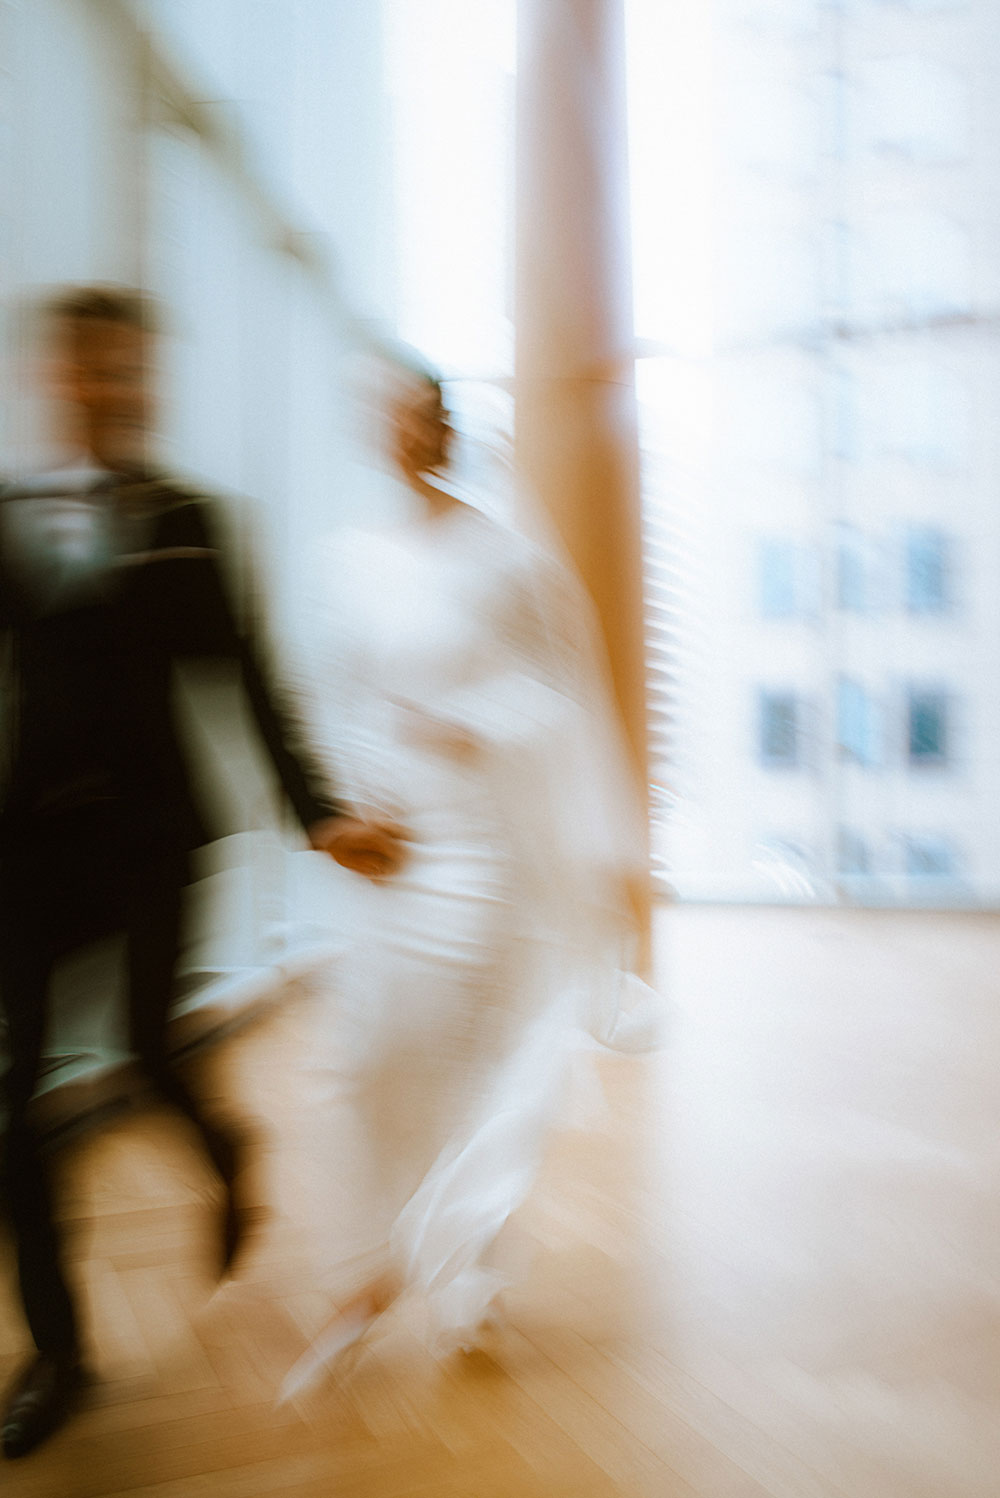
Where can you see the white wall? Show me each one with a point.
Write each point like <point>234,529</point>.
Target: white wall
<point>100,181</point>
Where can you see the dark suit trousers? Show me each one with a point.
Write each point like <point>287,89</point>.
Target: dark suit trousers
<point>59,889</point>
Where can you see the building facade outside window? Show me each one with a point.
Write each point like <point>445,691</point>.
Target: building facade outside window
<point>855,267</point>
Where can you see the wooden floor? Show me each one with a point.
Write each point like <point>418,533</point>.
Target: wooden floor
<point>763,1263</point>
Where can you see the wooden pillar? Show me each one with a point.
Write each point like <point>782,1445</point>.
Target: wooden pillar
<point>576,430</point>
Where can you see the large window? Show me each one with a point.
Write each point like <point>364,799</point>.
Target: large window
<point>818,398</point>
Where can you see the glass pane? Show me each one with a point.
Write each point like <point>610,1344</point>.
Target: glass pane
<point>818,389</point>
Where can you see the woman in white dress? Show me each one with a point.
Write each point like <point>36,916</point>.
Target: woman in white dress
<point>456,672</point>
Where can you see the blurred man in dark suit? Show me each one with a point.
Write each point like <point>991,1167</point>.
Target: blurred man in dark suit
<point>109,575</point>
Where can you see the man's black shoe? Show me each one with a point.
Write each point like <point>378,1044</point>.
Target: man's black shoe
<point>42,1397</point>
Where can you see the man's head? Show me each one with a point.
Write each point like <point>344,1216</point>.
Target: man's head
<point>101,341</point>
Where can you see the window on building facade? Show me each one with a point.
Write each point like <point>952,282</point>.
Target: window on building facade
<point>918,410</point>
<point>787,579</point>
<point>852,584</point>
<point>926,855</point>
<point>857,723</point>
<point>855,580</point>
<point>916,110</point>
<point>782,730</point>
<point>927,563</point>
<point>928,728</point>
<point>854,854</point>
<point>913,264</point>
<point>776,582</point>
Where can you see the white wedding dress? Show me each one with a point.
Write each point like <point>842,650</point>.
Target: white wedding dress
<point>451,662</point>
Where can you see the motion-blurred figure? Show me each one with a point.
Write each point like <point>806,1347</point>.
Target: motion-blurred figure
<point>464,699</point>
<point>109,573</point>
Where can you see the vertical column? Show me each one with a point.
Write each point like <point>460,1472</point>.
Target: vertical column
<point>576,432</point>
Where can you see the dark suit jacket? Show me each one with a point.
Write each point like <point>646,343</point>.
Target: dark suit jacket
<point>93,635</point>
